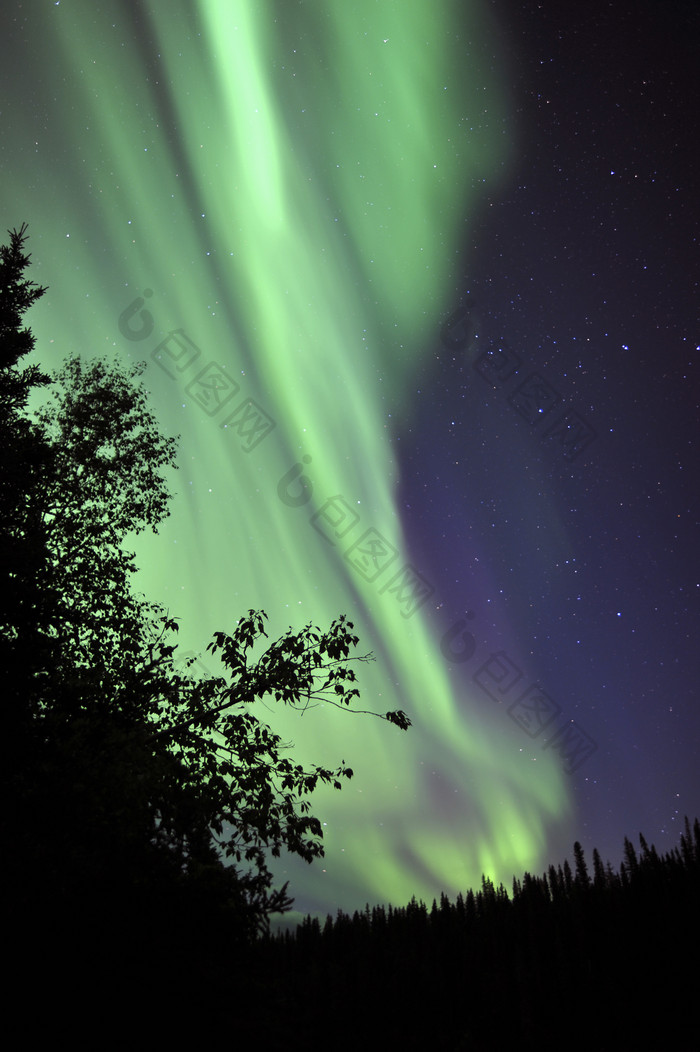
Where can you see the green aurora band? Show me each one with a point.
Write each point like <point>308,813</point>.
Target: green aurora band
<point>292,183</point>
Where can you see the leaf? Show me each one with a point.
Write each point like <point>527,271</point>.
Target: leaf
<point>399,718</point>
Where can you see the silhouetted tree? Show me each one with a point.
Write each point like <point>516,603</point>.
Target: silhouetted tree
<point>630,855</point>
<point>133,780</point>
<point>582,879</point>
<point>599,877</point>
<point>25,460</point>
<point>568,878</point>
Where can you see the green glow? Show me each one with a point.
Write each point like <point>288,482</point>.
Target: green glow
<point>293,183</point>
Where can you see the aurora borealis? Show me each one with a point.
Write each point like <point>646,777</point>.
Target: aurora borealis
<point>344,237</point>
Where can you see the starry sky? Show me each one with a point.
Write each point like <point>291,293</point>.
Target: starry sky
<point>417,287</point>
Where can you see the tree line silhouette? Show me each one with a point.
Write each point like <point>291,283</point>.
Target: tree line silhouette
<point>606,960</point>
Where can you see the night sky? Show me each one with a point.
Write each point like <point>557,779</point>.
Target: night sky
<point>417,284</point>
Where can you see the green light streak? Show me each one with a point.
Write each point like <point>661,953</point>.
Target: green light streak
<point>293,183</point>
